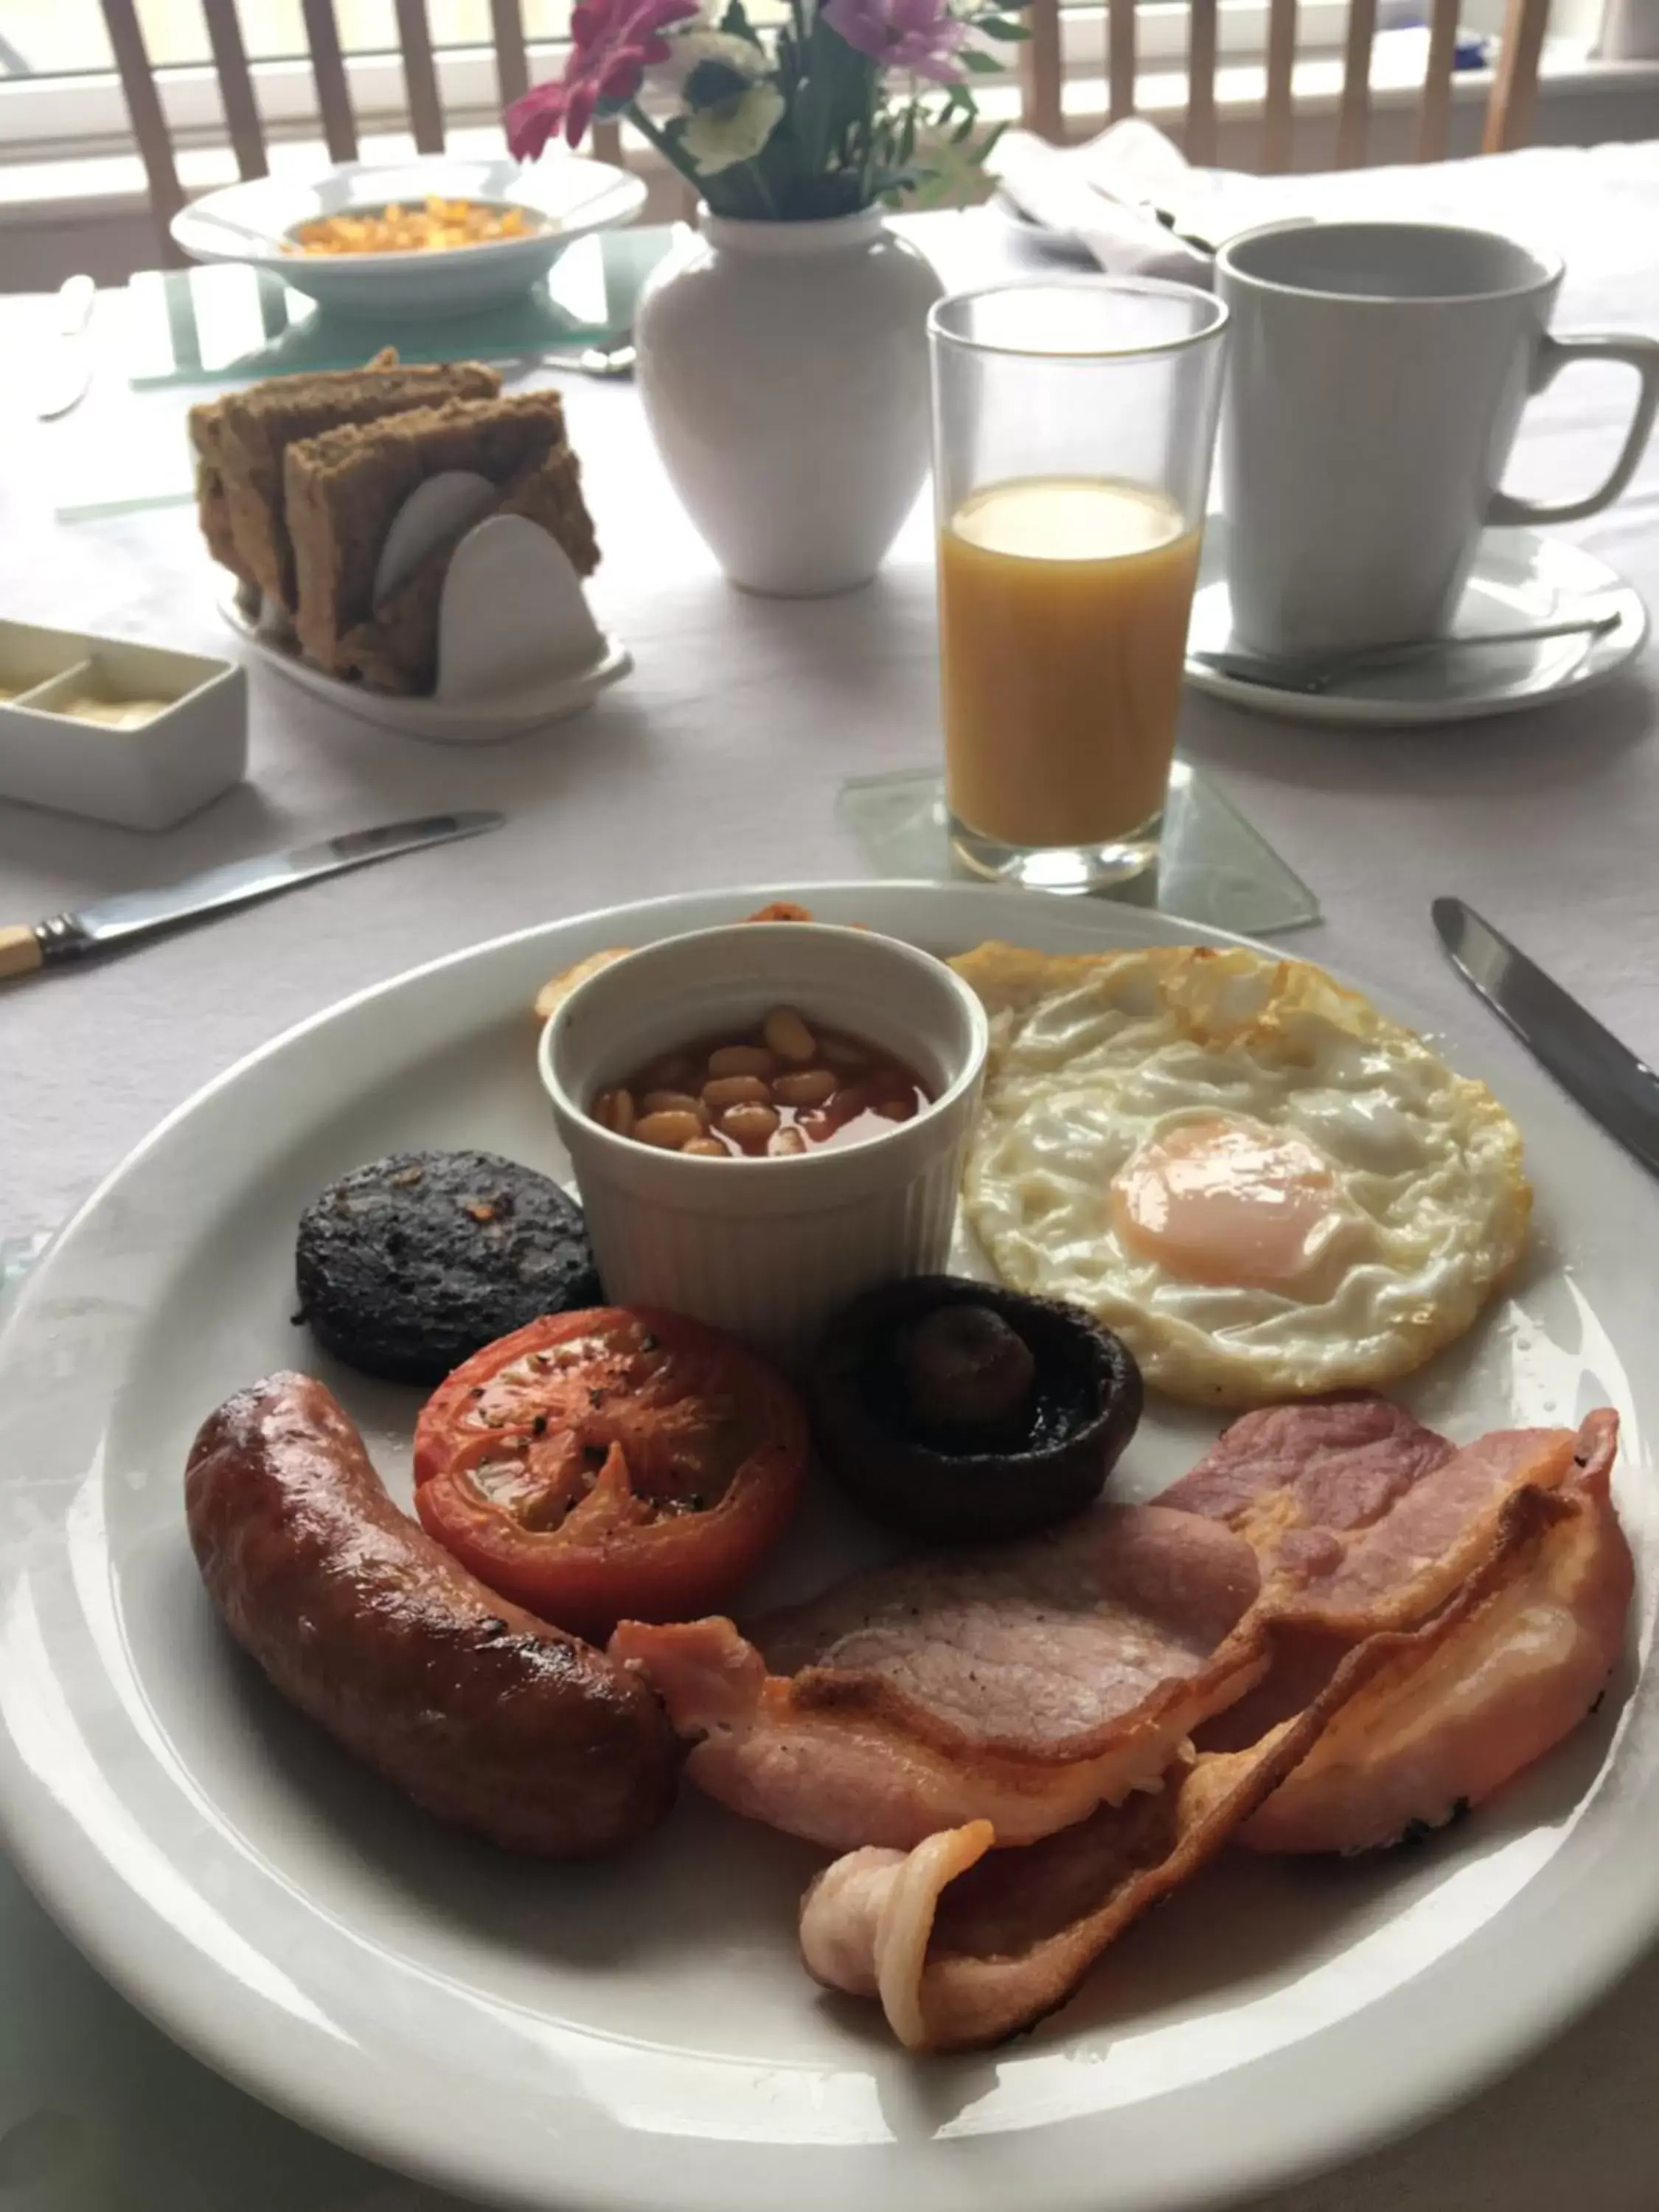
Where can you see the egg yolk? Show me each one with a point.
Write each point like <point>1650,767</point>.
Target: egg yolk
<point>1222,1200</point>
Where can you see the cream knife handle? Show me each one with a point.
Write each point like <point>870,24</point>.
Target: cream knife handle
<point>20,953</point>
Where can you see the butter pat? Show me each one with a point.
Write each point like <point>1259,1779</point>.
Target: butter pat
<point>114,714</point>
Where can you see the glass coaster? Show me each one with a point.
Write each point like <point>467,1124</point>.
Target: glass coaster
<point>234,323</point>
<point>1213,867</point>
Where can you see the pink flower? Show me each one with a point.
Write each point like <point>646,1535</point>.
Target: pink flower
<point>612,43</point>
<point>917,36</point>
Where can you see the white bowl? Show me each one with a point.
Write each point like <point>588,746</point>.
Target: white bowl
<point>768,1249</point>
<point>566,196</point>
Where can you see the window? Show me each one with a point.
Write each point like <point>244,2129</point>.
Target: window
<point>58,96</point>
<point>57,91</point>
<point>50,38</point>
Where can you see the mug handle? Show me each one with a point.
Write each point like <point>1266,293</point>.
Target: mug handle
<point>1553,355</point>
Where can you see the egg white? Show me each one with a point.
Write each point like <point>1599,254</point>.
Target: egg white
<point>1092,1056</point>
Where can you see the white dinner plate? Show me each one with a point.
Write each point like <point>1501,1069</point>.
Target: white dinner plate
<point>564,197</point>
<point>1521,578</point>
<point>637,2036</point>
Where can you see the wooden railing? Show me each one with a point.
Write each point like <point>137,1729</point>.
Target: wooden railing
<point>1044,63</point>
<point>1509,112</point>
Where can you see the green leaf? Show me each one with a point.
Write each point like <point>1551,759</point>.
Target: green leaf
<point>993,27</point>
<point>838,96</point>
<point>981,64</point>
<point>986,145</point>
<point>964,130</point>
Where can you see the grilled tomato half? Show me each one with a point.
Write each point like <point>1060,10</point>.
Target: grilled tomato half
<point>620,1463</point>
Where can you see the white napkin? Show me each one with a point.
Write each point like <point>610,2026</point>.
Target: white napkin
<point>1106,195</point>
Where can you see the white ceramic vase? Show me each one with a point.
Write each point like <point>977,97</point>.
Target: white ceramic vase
<point>784,371</point>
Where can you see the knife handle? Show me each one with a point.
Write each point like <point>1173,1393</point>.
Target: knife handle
<point>20,953</point>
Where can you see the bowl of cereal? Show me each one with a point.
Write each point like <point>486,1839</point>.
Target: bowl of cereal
<point>436,235</point>
<point>766,1120</point>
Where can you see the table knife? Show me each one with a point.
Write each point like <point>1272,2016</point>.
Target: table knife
<point>131,917</point>
<point>1606,1078</point>
<point>63,369</point>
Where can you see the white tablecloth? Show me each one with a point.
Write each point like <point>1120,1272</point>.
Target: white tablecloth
<point>720,762</point>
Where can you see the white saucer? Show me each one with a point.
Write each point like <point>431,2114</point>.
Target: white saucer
<point>1521,577</point>
<point>441,721</point>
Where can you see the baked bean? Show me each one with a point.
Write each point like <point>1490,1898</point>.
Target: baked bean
<point>770,1089</point>
<point>749,1125</point>
<point>615,1110</point>
<point>788,1035</point>
<point>673,1102</point>
<point>805,1086</point>
<point>723,1090</point>
<point>852,1100</point>
<point>670,1131</point>
<point>742,1059</point>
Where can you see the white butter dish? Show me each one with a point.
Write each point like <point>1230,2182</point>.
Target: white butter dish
<point>134,734</point>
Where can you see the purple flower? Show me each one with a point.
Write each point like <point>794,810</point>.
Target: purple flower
<point>917,36</point>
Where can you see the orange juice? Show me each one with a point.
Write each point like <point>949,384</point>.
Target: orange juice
<point>1063,607</point>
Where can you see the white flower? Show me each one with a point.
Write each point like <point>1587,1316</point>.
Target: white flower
<point>717,138</point>
<point>741,56</point>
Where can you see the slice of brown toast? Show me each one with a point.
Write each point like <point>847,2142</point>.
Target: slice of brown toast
<point>343,488</point>
<point>207,444</point>
<point>212,506</point>
<point>242,439</point>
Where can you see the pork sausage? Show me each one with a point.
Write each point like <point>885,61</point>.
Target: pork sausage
<point>487,1717</point>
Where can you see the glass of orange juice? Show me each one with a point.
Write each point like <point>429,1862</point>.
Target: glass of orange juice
<point>1073,424</point>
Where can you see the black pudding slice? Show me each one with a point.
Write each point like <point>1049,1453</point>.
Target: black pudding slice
<point>407,1265</point>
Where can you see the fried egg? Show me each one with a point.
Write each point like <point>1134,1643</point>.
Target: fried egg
<point>1263,1184</point>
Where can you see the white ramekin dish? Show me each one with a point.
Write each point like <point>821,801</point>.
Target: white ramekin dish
<point>768,1249</point>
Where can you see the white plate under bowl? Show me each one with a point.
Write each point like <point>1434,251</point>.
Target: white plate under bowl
<point>566,196</point>
<point>1521,577</point>
<point>441,722</point>
<point>637,2036</point>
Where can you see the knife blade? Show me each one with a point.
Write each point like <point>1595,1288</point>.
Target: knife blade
<point>63,369</point>
<point>1606,1078</point>
<point>130,917</point>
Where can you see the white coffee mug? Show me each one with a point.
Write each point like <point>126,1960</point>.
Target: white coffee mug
<point>1375,379</point>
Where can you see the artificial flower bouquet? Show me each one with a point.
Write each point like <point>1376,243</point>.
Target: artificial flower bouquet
<point>849,103</point>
